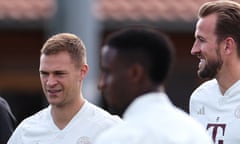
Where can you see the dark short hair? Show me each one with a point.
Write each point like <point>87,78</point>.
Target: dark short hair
<point>66,42</point>
<point>146,46</point>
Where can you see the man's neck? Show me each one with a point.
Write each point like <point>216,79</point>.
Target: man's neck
<point>64,114</point>
<point>228,76</point>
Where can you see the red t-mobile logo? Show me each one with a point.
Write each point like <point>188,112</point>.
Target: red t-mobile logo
<point>217,129</point>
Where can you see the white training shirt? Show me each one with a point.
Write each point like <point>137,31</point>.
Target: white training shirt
<point>152,119</point>
<point>219,114</point>
<point>82,129</point>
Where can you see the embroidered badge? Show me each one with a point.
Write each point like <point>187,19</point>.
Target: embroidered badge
<point>84,140</point>
<point>237,112</point>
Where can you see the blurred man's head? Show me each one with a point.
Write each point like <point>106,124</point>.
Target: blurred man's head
<point>133,62</point>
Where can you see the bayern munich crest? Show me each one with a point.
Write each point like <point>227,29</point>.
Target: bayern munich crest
<point>84,140</point>
<point>237,112</point>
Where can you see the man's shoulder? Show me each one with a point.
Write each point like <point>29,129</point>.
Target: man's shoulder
<point>3,104</point>
<point>206,87</point>
<point>208,84</point>
<point>100,118</point>
<point>121,133</point>
<point>99,113</point>
<point>40,116</point>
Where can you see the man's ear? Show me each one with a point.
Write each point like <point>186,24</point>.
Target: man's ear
<point>83,71</point>
<point>229,44</point>
<point>136,72</point>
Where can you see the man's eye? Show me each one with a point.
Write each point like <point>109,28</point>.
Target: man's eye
<point>201,39</point>
<point>43,73</point>
<point>60,73</point>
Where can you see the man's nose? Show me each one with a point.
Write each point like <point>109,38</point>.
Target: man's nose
<point>51,80</point>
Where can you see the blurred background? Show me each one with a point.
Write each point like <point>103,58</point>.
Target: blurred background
<point>26,24</point>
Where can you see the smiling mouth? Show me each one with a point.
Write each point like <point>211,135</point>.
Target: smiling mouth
<point>201,63</point>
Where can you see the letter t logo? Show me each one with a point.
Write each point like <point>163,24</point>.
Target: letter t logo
<point>215,129</point>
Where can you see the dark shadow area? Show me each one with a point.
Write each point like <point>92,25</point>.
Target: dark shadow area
<point>24,104</point>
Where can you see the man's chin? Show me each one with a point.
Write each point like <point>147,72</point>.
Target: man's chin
<point>53,102</point>
<point>204,76</point>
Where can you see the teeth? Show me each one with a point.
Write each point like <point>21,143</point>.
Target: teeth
<point>201,62</point>
<point>53,91</point>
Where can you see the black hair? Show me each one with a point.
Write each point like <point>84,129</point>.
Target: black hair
<point>147,46</point>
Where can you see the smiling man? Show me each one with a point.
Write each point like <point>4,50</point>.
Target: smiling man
<point>216,103</point>
<point>69,118</point>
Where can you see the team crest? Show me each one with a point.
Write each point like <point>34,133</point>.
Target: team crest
<point>237,112</point>
<point>84,140</point>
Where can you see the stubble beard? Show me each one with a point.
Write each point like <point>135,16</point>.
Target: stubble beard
<point>211,68</point>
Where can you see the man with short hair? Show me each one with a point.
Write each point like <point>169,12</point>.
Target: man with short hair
<point>216,102</point>
<point>69,118</point>
<point>135,63</point>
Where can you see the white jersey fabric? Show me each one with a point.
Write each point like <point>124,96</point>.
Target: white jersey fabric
<point>152,119</point>
<point>82,129</point>
<point>219,114</point>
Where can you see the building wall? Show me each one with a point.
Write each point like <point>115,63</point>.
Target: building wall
<point>19,76</point>
<point>183,79</point>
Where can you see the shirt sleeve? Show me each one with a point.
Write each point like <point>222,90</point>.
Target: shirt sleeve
<point>7,122</point>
